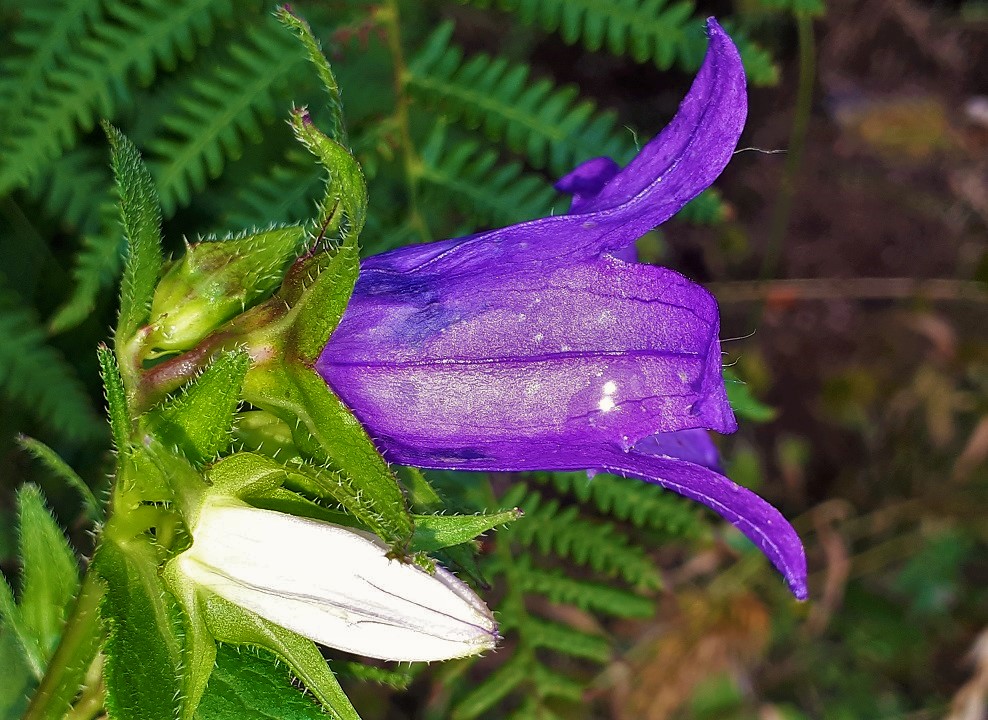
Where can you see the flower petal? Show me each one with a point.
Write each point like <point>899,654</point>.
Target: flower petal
<point>694,446</point>
<point>504,365</point>
<point>672,169</point>
<point>758,520</point>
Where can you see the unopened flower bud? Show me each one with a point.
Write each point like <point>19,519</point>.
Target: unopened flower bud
<point>334,585</point>
<point>215,281</point>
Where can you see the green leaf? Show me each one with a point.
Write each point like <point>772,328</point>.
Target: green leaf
<point>64,472</point>
<point>230,623</point>
<point>200,419</point>
<point>744,403</point>
<point>15,627</point>
<point>17,678</point>
<point>140,215</point>
<point>50,575</point>
<point>247,684</point>
<point>494,688</point>
<point>143,650</point>
<point>35,375</point>
<point>433,532</point>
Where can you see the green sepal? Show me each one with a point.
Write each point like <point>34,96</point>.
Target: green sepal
<point>199,420</point>
<point>116,398</point>
<point>140,215</point>
<point>316,57</point>
<point>319,309</point>
<point>346,189</point>
<point>326,430</point>
<point>216,280</point>
<point>18,679</point>
<point>232,624</point>
<point>50,575</point>
<point>199,650</point>
<point>245,474</point>
<point>434,532</point>
<point>143,649</point>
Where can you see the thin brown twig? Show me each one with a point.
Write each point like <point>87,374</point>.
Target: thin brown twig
<point>824,289</point>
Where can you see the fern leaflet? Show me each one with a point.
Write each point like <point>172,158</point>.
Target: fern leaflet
<point>36,376</point>
<point>488,191</point>
<point>545,123</point>
<point>47,33</point>
<point>136,39</point>
<point>221,108</point>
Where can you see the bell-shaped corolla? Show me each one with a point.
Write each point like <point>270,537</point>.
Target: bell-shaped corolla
<point>334,585</point>
<point>545,346</point>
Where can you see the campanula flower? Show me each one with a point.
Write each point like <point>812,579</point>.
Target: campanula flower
<point>334,585</point>
<point>544,346</point>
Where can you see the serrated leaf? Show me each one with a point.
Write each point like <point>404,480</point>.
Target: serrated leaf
<point>199,421</point>
<point>434,532</point>
<point>249,685</point>
<point>143,649</point>
<point>140,215</point>
<point>64,472</point>
<point>17,678</point>
<point>50,575</point>
<point>232,624</point>
<point>494,688</point>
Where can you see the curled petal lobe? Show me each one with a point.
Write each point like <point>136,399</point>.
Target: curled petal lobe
<point>334,585</point>
<point>694,446</point>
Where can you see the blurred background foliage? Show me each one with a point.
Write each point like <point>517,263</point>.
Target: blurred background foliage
<point>851,271</point>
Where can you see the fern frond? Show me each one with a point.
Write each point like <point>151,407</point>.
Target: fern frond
<point>643,505</point>
<point>47,33</point>
<point>665,33</point>
<point>474,180</point>
<point>566,640</point>
<point>281,193</point>
<point>133,39</point>
<point>645,30</point>
<point>550,125</point>
<point>559,587</point>
<point>35,376</point>
<point>221,109</point>
<point>398,678</point>
<point>586,542</point>
<point>76,189</point>
<point>98,264</point>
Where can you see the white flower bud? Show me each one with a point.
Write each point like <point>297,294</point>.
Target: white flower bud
<point>334,585</point>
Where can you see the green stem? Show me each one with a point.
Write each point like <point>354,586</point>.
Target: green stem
<point>388,15</point>
<point>797,144</point>
<point>67,669</point>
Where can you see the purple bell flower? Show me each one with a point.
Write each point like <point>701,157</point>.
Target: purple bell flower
<point>544,346</point>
